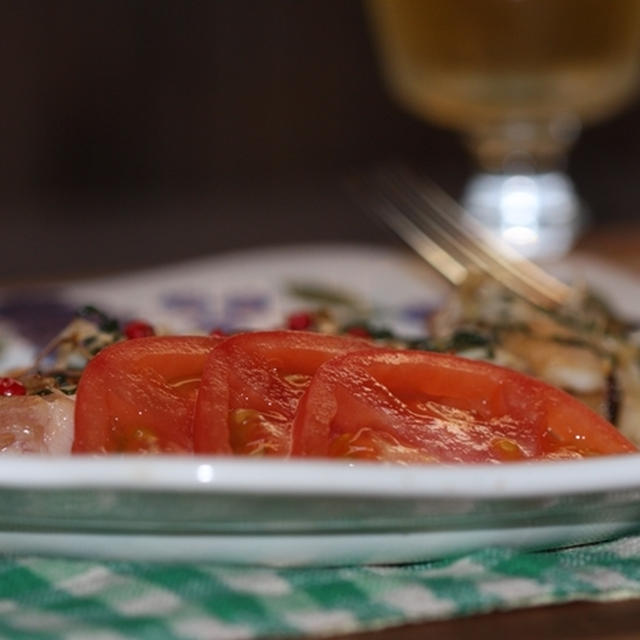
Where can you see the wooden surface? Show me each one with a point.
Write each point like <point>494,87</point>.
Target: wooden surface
<point>618,242</point>
<point>578,621</point>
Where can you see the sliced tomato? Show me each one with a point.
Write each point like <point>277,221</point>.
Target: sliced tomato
<point>251,386</point>
<point>415,406</point>
<point>138,396</point>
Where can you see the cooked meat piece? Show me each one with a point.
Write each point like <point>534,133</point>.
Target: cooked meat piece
<point>36,424</point>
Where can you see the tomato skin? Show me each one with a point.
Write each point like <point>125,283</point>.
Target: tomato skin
<point>416,406</point>
<point>251,386</point>
<point>138,396</point>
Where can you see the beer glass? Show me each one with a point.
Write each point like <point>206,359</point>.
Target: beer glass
<point>518,78</point>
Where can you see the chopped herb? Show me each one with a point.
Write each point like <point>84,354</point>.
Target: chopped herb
<point>368,330</point>
<point>102,320</point>
<point>70,390</point>
<point>88,341</point>
<point>464,339</point>
<point>575,341</point>
<point>323,295</point>
<point>424,344</point>
<point>613,398</point>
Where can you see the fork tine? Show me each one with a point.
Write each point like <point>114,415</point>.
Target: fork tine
<point>429,219</point>
<point>484,257</point>
<point>480,247</point>
<point>442,233</point>
<point>423,244</point>
<point>493,247</point>
<point>392,205</point>
<point>464,250</point>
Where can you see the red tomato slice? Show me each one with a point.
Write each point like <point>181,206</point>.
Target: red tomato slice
<point>414,406</point>
<point>138,396</point>
<point>251,386</point>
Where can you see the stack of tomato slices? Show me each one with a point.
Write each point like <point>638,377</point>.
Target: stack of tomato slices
<point>304,394</point>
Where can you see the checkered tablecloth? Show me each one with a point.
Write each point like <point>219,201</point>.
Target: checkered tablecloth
<point>54,598</point>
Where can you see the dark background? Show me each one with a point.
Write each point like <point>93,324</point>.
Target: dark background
<point>140,131</point>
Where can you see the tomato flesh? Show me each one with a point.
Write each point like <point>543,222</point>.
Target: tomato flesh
<point>298,393</point>
<point>139,396</point>
<point>251,386</point>
<point>410,406</point>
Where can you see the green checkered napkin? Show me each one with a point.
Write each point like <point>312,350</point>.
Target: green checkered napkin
<point>50,599</point>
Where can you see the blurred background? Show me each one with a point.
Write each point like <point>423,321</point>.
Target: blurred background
<point>135,132</point>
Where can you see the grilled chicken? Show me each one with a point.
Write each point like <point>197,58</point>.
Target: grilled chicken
<point>36,424</point>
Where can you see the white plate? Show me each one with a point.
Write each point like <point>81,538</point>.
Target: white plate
<point>298,512</point>
<point>307,513</point>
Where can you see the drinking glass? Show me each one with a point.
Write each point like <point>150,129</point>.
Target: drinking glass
<point>518,79</point>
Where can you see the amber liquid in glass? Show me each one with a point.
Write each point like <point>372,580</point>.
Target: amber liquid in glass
<point>521,69</point>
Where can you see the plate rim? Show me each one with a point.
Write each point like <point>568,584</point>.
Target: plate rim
<point>306,477</point>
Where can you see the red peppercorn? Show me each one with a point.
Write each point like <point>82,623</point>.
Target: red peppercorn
<point>359,332</point>
<point>300,321</point>
<point>11,387</point>
<point>217,332</point>
<point>138,329</point>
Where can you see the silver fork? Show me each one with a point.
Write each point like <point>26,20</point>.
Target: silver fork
<point>439,230</point>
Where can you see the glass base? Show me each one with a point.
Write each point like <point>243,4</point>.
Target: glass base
<point>539,215</point>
